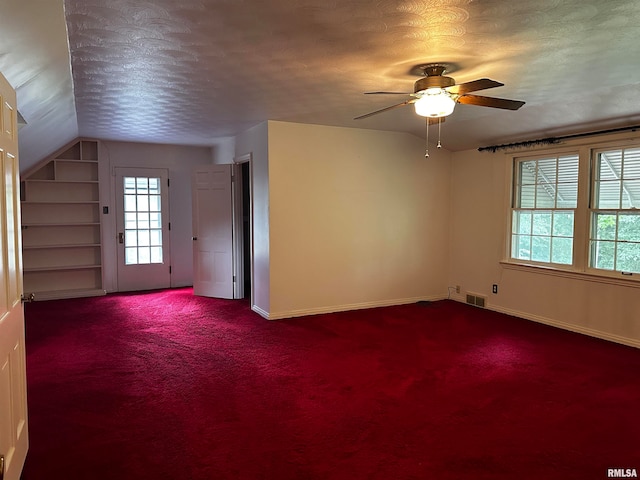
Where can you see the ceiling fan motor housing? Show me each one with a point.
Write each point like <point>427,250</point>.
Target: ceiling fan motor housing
<point>435,96</point>
<point>435,81</point>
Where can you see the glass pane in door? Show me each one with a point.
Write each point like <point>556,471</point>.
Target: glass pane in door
<point>143,220</point>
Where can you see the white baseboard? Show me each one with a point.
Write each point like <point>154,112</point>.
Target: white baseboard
<point>344,308</point>
<point>260,311</point>
<point>64,294</point>
<point>631,342</point>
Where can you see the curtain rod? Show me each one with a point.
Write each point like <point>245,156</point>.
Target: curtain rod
<point>553,140</point>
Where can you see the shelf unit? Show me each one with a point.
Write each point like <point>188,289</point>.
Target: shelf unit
<point>61,232</point>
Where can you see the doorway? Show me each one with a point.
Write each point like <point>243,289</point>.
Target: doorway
<point>246,226</point>
<point>243,227</point>
<point>214,224</point>
<point>223,230</point>
<point>142,212</point>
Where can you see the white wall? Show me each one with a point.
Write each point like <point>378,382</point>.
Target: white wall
<point>179,160</point>
<point>358,218</point>
<point>479,199</point>
<point>223,150</point>
<point>255,142</point>
<point>350,218</point>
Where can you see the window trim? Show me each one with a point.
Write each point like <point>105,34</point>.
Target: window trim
<point>595,151</point>
<point>633,282</point>
<point>580,268</point>
<point>512,205</point>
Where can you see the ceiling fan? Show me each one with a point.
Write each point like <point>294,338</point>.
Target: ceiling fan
<point>435,96</point>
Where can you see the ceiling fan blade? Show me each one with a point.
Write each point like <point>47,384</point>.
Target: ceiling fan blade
<point>407,102</point>
<point>474,86</point>
<point>490,102</point>
<point>386,93</point>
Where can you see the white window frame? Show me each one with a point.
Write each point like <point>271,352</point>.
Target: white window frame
<point>582,220</point>
<point>515,206</point>
<point>592,207</point>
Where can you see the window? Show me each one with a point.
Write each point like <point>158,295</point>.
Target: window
<point>142,220</point>
<point>615,218</point>
<point>543,215</point>
<point>578,211</point>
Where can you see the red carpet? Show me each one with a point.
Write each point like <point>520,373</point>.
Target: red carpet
<point>165,385</point>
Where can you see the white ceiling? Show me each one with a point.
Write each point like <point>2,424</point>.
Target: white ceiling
<point>189,72</point>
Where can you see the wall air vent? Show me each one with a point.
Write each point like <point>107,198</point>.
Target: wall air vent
<point>476,300</point>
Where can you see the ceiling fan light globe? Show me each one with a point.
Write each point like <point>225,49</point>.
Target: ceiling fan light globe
<point>435,102</point>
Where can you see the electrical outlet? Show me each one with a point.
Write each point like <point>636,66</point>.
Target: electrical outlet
<point>457,288</point>
<point>495,288</point>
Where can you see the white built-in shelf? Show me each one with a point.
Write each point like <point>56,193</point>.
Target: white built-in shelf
<point>72,245</point>
<point>60,268</point>
<point>61,230</point>
<point>60,224</point>
<point>69,293</point>
<point>58,182</point>
<point>62,202</point>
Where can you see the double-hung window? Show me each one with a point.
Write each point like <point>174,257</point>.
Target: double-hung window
<point>545,200</point>
<point>614,242</point>
<point>578,212</point>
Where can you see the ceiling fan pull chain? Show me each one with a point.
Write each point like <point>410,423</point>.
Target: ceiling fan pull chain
<point>426,155</point>
<point>439,125</point>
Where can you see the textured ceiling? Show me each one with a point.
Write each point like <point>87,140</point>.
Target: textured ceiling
<point>189,72</point>
<point>34,57</point>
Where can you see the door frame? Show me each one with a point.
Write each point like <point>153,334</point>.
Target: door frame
<point>121,171</point>
<point>238,225</point>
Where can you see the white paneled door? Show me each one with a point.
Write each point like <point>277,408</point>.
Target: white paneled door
<point>13,382</point>
<point>213,231</point>
<point>142,210</point>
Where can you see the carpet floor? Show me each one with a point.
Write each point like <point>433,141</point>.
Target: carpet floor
<point>166,385</point>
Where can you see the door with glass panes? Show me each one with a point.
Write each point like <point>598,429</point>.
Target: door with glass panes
<point>142,203</point>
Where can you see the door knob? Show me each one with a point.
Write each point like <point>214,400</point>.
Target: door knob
<point>1,467</point>
<point>29,298</point>
<point>120,240</point>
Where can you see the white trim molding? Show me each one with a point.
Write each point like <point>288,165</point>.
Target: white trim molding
<point>630,342</point>
<point>260,311</point>
<point>344,308</point>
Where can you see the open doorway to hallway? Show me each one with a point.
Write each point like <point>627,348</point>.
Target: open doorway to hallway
<point>245,174</point>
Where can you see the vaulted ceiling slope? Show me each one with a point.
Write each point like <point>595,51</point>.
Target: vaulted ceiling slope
<point>34,57</point>
<point>190,72</point>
